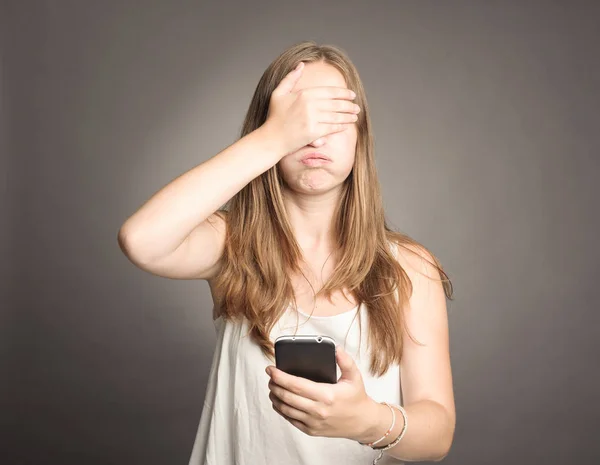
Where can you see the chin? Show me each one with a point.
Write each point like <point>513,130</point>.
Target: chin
<point>316,186</point>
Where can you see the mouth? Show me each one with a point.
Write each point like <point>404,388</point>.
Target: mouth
<point>315,157</point>
<point>315,161</point>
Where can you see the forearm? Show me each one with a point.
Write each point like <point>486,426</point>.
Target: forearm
<point>428,436</point>
<point>169,216</point>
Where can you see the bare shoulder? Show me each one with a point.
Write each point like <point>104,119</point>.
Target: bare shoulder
<point>429,288</point>
<point>417,261</point>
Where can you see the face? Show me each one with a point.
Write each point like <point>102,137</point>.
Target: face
<point>339,146</point>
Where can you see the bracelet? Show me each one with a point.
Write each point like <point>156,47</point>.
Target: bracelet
<point>401,435</point>
<point>395,441</point>
<point>371,444</point>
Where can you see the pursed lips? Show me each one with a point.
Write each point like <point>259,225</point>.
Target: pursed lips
<point>315,156</point>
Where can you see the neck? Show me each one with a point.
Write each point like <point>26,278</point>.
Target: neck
<point>312,220</point>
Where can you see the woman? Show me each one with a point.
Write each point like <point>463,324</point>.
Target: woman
<point>287,226</point>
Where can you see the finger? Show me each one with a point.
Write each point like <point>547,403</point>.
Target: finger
<point>328,92</point>
<point>338,111</point>
<point>330,117</point>
<point>297,423</point>
<point>336,105</point>
<point>286,85</point>
<point>301,426</point>
<point>329,128</point>
<point>292,399</point>
<point>302,386</point>
<point>287,410</point>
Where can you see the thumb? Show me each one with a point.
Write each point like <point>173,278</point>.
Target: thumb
<point>289,81</point>
<point>350,371</point>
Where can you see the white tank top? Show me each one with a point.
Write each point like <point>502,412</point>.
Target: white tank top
<point>238,425</point>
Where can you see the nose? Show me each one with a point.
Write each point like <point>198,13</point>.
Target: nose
<point>318,142</point>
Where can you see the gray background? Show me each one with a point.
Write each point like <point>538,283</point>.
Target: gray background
<point>486,126</point>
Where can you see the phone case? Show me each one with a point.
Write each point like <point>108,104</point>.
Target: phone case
<point>309,356</point>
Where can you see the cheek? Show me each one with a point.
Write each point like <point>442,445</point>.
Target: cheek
<point>345,147</point>
<point>345,141</point>
<point>287,169</point>
<point>286,165</point>
<point>347,137</point>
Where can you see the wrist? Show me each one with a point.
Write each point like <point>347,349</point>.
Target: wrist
<point>272,141</point>
<point>377,421</point>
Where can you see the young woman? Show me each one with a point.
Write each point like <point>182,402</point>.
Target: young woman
<point>287,226</point>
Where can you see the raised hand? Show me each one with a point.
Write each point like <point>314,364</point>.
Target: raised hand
<point>299,118</point>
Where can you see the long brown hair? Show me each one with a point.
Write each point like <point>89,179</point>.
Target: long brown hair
<point>261,251</point>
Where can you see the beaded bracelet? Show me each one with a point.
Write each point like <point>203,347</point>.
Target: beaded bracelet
<point>395,441</point>
<point>371,444</point>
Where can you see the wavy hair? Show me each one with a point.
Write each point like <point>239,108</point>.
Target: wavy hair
<point>261,251</point>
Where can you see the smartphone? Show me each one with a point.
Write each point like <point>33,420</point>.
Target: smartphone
<point>309,356</point>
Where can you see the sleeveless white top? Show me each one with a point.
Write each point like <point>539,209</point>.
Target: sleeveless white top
<point>238,425</point>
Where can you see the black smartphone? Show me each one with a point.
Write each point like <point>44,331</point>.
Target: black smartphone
<point>309,356</point>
